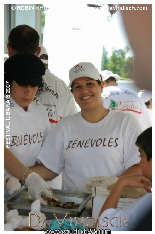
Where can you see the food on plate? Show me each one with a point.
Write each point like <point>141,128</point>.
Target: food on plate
<point>55,202</point>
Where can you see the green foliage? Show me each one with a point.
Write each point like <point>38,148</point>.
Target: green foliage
<point>118,63</point>
<point>43,19</point>
<point>104,61</point>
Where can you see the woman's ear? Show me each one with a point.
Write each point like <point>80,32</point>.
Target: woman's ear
<point>102,84</point>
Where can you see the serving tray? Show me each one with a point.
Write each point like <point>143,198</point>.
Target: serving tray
<point>22,202</point>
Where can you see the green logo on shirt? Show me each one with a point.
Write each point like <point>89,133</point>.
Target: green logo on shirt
<point>112,104</point>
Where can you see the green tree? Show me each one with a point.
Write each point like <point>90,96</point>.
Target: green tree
<point>128,67</point>
<point>104,60</point>
<point>114,62</point>
<point>119,62</point>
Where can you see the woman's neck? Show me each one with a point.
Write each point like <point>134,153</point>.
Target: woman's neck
<point>94,115</point>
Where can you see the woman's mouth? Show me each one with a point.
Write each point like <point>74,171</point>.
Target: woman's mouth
<point>85,98</point>
<point>26,100</point>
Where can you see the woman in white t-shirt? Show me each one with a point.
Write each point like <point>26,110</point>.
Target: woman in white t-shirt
<point>93,142</point>
<point>26,123</point>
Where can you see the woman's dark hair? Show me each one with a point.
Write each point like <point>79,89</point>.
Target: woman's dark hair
<point>144,141</point>
<point>71,88</point>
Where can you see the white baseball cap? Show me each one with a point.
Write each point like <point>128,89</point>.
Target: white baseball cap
<point>145,95</point>
<point>83,69</point>
<point>106,74</point>
<point>43,51</point>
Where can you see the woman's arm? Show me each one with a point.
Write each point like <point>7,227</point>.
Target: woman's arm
<point>44,172</point>
<point>13,166</point>
<point>36,185</point>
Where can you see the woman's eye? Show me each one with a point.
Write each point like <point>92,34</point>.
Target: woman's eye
<point>77,87</point>
<point>90,83</point>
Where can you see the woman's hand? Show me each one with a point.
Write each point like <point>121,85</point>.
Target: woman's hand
<point>37,186</point>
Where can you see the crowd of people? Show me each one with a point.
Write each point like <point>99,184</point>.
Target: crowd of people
<point>47,139</point>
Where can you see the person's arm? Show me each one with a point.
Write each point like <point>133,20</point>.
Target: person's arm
<point>104,181</point>
<point>134,170</point>
<point>36,185</point>
<point>11,163</point>
<point>45,173</point>
<point>13,166</point>
<point>138,181</point>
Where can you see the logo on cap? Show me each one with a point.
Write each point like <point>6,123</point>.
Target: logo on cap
<point>79,68</point>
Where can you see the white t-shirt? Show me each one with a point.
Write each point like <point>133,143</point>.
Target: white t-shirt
<point>80,149</point>
<point>25,130</point>
<point>126,100</point>
<point>56,98</point>
<point>149,111</point>
<point>127,218</point>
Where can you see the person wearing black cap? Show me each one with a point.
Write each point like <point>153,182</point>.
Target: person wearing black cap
<point>26,121</point>
<point>55,95</point>
<point>22,70</point>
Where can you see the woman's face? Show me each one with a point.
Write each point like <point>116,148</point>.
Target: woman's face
<point>23,95</point>
<point>87,93</point>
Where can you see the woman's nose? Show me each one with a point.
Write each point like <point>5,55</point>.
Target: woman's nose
<point>84,89</point>
<point>28,89</point>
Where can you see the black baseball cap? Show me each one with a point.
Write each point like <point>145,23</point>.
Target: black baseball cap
<point>25,69</point>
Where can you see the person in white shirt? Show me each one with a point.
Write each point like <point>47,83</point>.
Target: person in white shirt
<point>134,215</point>
<point>93,142</point>
<point>126,100</point>
<point>55,95</point>
<point>109,79</point>
<point>146,97</point>
<point>26,122</point>
<point>43,55</point>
